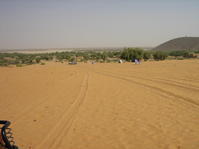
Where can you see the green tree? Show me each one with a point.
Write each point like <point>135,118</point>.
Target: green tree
<point>130,54</point>
<point>37,60</point>
<point>104,56</point>
<point>159,55</point>
<point>189,55</point>
<point>146,55</point>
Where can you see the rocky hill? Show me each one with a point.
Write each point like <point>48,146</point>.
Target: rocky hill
<point>183,43</point>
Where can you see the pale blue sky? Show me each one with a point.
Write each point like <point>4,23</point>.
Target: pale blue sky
<point>95,23</point>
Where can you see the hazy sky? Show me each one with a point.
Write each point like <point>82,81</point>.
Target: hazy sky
<point>95,23</point>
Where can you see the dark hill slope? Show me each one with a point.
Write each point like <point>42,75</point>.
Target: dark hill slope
<point>183,43</point>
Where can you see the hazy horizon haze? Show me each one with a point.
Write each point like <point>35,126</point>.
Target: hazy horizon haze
<point>95,23</point>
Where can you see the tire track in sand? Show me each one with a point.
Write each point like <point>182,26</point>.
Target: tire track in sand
<point>185,99</point>
<point>56,136</point>
<point>163,81</point>
<point>179,83</point>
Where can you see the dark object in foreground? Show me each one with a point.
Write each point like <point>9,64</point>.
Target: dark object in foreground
<point>6,138</point>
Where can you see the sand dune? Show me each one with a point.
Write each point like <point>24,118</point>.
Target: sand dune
<point>154,105</point>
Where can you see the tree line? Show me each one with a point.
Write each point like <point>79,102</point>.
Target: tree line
<point>127,54</point>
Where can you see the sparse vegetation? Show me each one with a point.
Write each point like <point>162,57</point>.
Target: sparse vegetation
<point>130,54</point>
<point>184,54</point>
<point>19,65</point>
<point>189,55</point>
<point>127,54</point>
<point>159,55</point>
<point>147,55</point>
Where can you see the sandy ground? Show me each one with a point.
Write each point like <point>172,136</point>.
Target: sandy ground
<point>154,105</point>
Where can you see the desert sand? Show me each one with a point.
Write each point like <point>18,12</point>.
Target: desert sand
<point>154,105</point>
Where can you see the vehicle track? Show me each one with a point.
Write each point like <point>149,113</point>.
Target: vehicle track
<point>59,131</point>
<point>188,100</point>
<point>108,106</point>
<point>162,81</point>
<point>179,83</point>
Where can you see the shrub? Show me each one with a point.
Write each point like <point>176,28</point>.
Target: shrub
<point>3,64</point>
<point>177,53</point>
<point>130,54</point>
<point>159,55</point>
<point>146,55</point>
<point>37,60</point>
<point>72,59</point>
<point>104,56</point>
<point>19,65</point>
<point>189,55</point>
<point>180,58</point>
